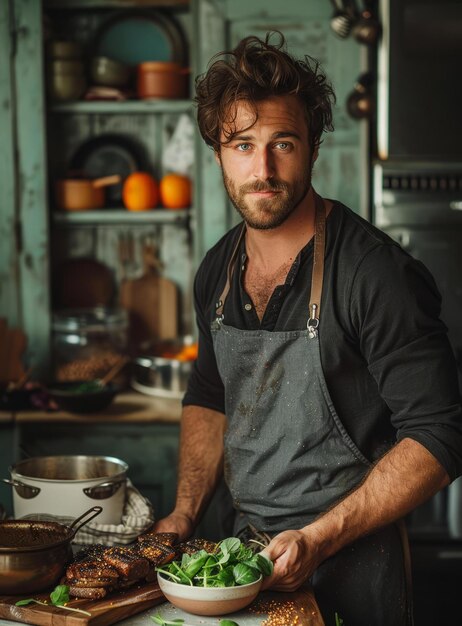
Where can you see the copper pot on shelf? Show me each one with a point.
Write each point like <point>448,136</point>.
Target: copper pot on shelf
<point>162,79</point>
<point>83,194</point>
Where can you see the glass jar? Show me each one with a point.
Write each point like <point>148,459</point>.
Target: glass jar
<point>86,343</point>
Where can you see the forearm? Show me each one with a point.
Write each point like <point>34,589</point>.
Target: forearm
<point>201,460</point>
<point>403,479</point>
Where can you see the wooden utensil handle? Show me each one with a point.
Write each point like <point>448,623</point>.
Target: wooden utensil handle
<point>114,371</point>
<point>106,181</point>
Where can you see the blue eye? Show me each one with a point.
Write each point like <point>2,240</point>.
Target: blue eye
<point>244,147</point>
<point>283,145</point>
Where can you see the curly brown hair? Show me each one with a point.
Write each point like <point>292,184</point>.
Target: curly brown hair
<point>256,70</point>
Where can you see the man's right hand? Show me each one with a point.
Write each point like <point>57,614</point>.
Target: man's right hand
<point>175,523</point>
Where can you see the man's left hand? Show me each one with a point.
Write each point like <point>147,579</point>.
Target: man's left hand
<point>295,559</point>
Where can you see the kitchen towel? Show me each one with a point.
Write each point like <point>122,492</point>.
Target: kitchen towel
<point>137,516</point>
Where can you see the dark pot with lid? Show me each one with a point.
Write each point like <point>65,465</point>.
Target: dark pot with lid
<point>34,554</point>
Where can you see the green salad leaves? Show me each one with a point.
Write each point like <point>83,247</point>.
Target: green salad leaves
<point>158,619</point>
<point>58,597</point>
<point>229,565</point>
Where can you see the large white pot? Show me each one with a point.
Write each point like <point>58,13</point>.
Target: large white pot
<point>68,485</point>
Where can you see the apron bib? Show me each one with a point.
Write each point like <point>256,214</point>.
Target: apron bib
<point>288,456</point>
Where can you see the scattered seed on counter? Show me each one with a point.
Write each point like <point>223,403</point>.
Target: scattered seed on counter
<point>278,614</point>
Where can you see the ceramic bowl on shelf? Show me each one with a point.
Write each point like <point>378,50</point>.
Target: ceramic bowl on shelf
<point>209,600</point>
<point>108,72</point>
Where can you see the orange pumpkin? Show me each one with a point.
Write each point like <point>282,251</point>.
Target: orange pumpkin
<point>140,192</point>
<point>175,191</point>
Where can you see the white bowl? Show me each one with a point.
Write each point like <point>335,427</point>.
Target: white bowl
<point>209,600</point>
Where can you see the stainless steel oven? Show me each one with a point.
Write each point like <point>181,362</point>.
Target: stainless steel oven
<point>417,200</point>
<point>420,205</point>
<point>419,80</point>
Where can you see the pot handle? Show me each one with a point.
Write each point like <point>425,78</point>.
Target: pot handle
<point>24,491</point>
<point>103,490</point>
<point>84,519</point>
<point>106,181</point>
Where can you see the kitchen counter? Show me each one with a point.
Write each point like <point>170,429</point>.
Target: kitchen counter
<point>129,406</point>
<point>6,417</point>
<point>167,611</point>
<point>298,608</point>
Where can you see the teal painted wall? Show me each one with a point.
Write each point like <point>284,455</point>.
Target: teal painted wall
<point>9,283</point>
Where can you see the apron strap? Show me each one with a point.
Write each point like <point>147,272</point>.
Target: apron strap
<point>317,275</point>
<point>229,274</point>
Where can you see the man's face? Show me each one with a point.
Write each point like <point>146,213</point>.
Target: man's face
<point>267,168</point>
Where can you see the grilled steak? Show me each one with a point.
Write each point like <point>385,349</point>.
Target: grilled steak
<point>91,582</point>
<point>95,551</point>
<point>94,593</point>
<point>156,553</point>
<point>194,545</point>
<point>167,539</point>
<point>94,569</point>
<point>127,562</point>
<point>204,544</point>
<point>97,570</point>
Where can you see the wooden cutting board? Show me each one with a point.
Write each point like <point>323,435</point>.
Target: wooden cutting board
<point>152,304</point>
<point>109,610</point>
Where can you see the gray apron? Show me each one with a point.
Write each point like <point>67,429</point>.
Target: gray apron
<point>288,457</point>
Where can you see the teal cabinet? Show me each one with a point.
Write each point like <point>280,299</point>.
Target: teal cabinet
<point>31,153</point>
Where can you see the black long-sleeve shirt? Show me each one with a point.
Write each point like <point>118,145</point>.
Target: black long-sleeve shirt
<point>385,354</point>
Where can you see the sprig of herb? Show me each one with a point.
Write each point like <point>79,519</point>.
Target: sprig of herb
<point>338,619</point>
<point>158,619</point>
<point>228,622</point>
<point>58,597</point>
<point>231,564</point>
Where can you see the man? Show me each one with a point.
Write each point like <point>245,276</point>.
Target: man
<point>325,388</point>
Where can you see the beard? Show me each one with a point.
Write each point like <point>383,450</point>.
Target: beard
<point>267,213</point>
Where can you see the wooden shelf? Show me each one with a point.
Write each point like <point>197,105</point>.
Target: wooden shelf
<point>123,106</point>
<point>127,407</point>
<point>120,216</point>
<point>113,4</point>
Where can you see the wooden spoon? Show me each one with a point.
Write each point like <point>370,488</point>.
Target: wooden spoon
<point>113,371</point>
